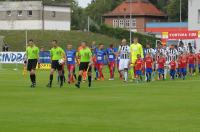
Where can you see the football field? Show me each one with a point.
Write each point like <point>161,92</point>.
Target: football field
<point>109,106</point>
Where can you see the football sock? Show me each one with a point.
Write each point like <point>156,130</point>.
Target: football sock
<point>50,79</point>
<point>100,72</point>
<point>125,75</point>
<point>79,79</point>
<point>31,77</point>
<point>61,79</point>
<point>89,80</point>
<point>149,76</point>
<point>97,74</point>
<point>34,78</point>
<point>141,78</point>
<point>159,76</point>
<point>165,73</point>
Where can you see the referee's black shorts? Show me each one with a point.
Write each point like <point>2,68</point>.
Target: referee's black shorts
<point>32,63</point>
<point>55,65</point>
<point>84,66</point>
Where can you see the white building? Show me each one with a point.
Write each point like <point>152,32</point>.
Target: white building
<point>194,17</point>
<point>33,15</point>
<point>194,14</point>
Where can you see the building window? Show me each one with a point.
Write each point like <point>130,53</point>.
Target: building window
<point>115,23</point>
<point>127,23</point>
<point>19,13</point>
<point>53,14</point>
<point>30,13</point>
<point>133,23</point>
<point>121,23</point>
<point>8,13</point>
<point>199,16</point>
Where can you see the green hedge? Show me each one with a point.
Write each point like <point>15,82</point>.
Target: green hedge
<point>16,39</point>
<point>119,33</point>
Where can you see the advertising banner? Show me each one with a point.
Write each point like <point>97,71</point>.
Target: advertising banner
<point>181,35</point>
<point>44,60</point>
<point>12,57</point>
<point>19,58</point>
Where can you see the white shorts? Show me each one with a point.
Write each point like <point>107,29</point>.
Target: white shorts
<point>167,64</point>
<point>123,64</point>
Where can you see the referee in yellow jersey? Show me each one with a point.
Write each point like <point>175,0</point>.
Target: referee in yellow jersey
<point>32,54</point>
<point>135,49</point>
<point>85,56</point>
<point>57,54</point>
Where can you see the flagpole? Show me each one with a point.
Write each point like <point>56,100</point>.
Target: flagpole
<point>180,10</point>
<point>130,22</point>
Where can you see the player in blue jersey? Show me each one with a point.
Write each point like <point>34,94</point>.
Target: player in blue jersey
<point>94,59</point>
<point>71,62</point>
<point>111,55</point>
<point>100,56</point>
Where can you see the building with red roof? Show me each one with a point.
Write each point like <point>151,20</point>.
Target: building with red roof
<point>134,14</point>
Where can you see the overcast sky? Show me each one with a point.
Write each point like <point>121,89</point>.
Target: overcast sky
<point>83,3</point>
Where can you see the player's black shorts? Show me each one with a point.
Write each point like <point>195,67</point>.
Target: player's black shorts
<point>84,67</point>
<point>55,65</point>
<point>32,63</point>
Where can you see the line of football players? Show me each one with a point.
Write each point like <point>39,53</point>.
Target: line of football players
<point>157,62</point>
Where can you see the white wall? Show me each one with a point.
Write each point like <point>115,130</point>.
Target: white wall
<point>21,25</point>
<point>57,9</point>
<point>57,25</point>
<point>194,6</point>
<point>35,25</point>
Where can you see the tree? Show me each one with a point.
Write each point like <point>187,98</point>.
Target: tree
<point>98,7</point>
<point>173,10</point>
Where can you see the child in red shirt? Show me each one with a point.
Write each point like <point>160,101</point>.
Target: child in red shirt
<point>148,66</point>
<point>191,61</point>
<point>138,68</point>
<point>198,60</point>
<point>172,66</point>
<point>183,66</point>
<point>161,66</point>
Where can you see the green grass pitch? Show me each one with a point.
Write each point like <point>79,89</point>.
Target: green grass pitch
<point>109,106</point>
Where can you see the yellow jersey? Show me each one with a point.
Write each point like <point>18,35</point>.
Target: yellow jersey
<point>136,49</point>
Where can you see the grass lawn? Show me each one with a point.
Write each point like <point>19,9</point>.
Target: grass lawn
<point>161,106</point>
<point>17,39</point>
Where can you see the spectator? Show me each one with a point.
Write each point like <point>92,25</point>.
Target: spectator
<point>5,48</point>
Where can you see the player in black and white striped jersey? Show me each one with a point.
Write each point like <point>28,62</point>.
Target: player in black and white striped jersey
<point>124,54</point>
<point>149,50</point>
<point>158,51</point>
<point>171,54</point>
<point>181,48</point>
